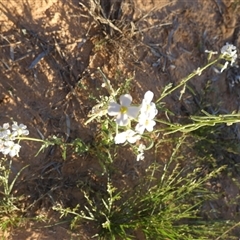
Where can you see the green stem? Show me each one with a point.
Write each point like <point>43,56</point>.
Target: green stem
<point>202,121</point>
<point>43,141</point>
<point>185,80</point>
<point>31,139</point>
<point>164,122</point>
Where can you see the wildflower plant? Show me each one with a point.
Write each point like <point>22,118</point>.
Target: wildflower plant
<point>11,135</point>
<point>126,123</point>
<point>134,123</point>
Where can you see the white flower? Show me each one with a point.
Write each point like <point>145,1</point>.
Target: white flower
<point>141,147</point>
<point>140,156</point>
<point>7,137</point>
<point>11,148</point>
<point>129,135</point>
<point>19,130</point>
<point>145,123</point>
<point>230,51</point>
<point>4,131</point>
<point>140,150</point>
<point>10,137</point>
<point>124,111</point>
<point>148,108</point>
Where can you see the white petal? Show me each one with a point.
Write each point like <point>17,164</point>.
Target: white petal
<point>130,133</point>
<point>22,126</point>
<point>140,128</point>
<point>141,148</point>
<point>113,109</point>
<point>142,118</point>
<point>148,96</point>
<point>6,125</point>
<point>15,126</point>
<point>148,111</point>
<point>9,143</point>
<point>133,112</point>
<point>12,153</point>
<point>120,138</point>
<point>133,139</point>
<point>150,125</point>
<point>152,112</point>
<point>132,136</point>
<point>140,156</point>
<point>122,119</point>
<point>5,150</point>
<point>125,100</point>
<point>224,66</point>
<point>25,132</point>
<point>14,150</point>
<point>4,133</point>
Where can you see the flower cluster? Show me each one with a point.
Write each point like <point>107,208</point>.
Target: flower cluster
<point>229,53</point>
<point>148,111</point>
<point>125,112</point>
<point>8,134</point>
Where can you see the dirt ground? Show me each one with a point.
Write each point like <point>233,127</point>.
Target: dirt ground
<point>50,51</point>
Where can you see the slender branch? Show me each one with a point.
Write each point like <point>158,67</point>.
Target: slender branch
<point>185,80</point>
<point>32,139</point>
